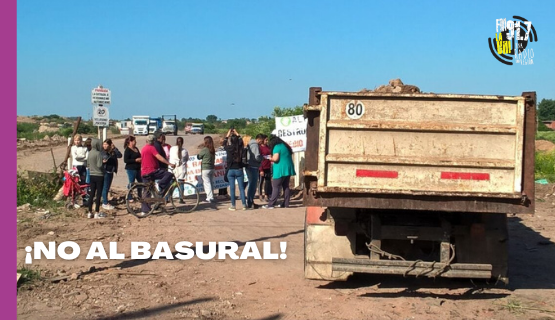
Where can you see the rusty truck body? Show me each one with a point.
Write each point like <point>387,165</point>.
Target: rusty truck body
<point>415,184</point>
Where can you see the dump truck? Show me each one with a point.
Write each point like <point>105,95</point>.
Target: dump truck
<point>154,125</point>
<point>415,184</point>
<point>140,125</point>
<point>169,124</point>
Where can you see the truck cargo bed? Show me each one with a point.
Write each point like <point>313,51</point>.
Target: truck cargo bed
<point>476,148</point>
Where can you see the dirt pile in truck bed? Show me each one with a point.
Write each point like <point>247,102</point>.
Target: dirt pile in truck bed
<point>394,86</point>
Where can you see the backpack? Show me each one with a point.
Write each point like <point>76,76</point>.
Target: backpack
<point>245,156</point>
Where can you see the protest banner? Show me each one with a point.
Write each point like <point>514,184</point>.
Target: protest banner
<point>194,173</point>
<point>293,131</point>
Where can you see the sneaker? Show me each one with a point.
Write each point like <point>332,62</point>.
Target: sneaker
<point>266,207</point>
<point>108,207</point>
<point>232,209</point>
<point>283,206</point>
<point>142,214</point>
<point>207,201</point>
<point>100,215</point>
<point>90,215</point>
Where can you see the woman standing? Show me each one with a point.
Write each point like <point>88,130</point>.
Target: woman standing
<point>79,157</point>
<point>233,148</point>
<point>110,158</point>
<point>96,168</point>
<point>265,171</point>
<point>179,156</point>
<point>208,156</point>
<point>282,171</point>
<point>132,159</point>
<point>88,145</point>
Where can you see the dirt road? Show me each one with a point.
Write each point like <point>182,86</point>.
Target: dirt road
<point>261,289</point>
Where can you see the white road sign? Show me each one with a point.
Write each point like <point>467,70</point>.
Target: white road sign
<point>101,117</point>
<point>100,95</point>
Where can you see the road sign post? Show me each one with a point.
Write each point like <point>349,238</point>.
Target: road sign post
<point>101,96</point>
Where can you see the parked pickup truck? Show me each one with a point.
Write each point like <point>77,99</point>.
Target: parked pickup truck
<point>197,128</point>
<point>415,184</point>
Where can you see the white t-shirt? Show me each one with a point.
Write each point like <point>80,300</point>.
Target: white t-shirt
<point>180,170</point>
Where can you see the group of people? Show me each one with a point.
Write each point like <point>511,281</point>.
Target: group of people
<point>96,162</point>
<point>267,162</point>
<point>266,159</point>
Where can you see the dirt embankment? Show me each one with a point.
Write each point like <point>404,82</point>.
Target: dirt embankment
<point>544,145</point>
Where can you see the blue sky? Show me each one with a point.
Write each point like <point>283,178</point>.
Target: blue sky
<point>196,58</point>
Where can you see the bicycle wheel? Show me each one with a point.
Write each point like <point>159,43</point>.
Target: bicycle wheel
<point>184,197</point>
<point>138,199</point>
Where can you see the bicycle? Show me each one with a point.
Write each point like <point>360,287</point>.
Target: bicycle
<point>182,197</point>
<point>74,189</point>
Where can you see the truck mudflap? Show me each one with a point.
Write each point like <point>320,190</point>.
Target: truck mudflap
<point>413,268</point>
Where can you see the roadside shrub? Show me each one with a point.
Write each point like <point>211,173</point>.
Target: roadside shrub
<point>38,190</point>
<point>29,131</point>
<point>546,135</point>
<point>65,132</point>
<point>28,275</point>
<point>543,127</point>
<point>210,128</point>
<point>84,128</point>
<point>545,166</point>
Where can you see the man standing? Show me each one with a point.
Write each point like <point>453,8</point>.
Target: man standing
<point>160,140</point>
<point>150,168</point>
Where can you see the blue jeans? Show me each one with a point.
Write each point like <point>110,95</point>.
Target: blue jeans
<point>252,174</point>
<point>88,176</point>
<point>108,177</point>
<point>133,175</point>
<point>232,175</point>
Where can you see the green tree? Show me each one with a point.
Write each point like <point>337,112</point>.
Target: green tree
<point>287,112</point>
<point>546,110</point>
<point>237,123</point>
<point>266,124</point>
<point>211,118</point>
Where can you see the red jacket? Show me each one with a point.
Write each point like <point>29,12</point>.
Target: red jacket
<point>265,151</point>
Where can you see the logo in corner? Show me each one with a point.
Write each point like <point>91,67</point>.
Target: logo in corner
<point>511,41</point>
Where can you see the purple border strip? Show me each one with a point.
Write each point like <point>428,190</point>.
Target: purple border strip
<point>8,231</point>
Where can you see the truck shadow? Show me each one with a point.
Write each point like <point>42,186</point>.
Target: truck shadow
<point>531,257</point>
<point>150,312</point>
<point>416,287</point>
<point>531,266</point>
